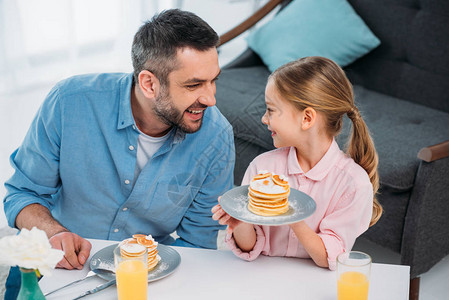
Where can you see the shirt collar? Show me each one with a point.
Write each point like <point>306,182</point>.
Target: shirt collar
<point>321,169</point>
<point>179,136</point>
<point>125,115</point>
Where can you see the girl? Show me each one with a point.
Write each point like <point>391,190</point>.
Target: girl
<point>306,101</point>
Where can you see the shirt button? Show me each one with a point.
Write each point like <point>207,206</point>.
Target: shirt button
<point>134,127</point>
<point>126,181</point>
<point>131,147</point>
<point>116,230</point>
<point>125,209</point>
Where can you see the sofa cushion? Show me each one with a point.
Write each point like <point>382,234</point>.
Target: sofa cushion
<point>412,61</point>
<point>313,28</point>
<point>399,129</point>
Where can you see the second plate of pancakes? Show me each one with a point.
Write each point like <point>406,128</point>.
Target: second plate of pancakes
<point>235,203</point>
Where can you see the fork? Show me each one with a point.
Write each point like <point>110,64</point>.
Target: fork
<point>90,274</point>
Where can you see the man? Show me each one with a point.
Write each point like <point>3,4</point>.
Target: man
<point>111,155</point>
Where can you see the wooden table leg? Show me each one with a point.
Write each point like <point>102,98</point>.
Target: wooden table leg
<point>414,288</point>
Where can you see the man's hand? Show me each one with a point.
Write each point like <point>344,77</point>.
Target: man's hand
<point>76,249</point>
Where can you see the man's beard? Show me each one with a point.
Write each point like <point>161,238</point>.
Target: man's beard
<point>170,115</point>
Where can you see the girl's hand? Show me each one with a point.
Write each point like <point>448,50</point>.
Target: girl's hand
<point>223,218</point>
<point>244,233</point>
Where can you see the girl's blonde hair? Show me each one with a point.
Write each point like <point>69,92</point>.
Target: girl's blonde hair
<point>319,83</point>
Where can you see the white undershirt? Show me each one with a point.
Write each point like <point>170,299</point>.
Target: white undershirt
<point>146,147</point>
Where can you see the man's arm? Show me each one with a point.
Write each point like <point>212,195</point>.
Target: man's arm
<point>76,249</point>
<point>39,216</point>
<point>36,178</point>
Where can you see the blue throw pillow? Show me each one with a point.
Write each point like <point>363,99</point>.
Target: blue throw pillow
<point>329,28</point>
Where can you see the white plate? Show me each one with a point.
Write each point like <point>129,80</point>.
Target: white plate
<point>170,260</point>
<point>235,203</point>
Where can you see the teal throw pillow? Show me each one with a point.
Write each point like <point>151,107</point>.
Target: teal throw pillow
<point>329,28</point>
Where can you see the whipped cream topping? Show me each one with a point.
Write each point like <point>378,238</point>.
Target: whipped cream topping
<point>133,248</point>
<point>267,186</point>
<point>283,177</point>
<point>150,238</point>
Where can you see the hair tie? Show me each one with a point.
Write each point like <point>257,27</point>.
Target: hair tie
<point>354,113</point>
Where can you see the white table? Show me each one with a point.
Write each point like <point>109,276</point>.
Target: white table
<point>212,274</point>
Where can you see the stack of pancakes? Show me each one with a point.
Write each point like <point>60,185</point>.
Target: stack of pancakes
<point>268,194</point>
<point>135,246</point>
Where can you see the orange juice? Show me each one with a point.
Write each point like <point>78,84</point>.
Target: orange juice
<point>352,286</point>
<point>132,280</point>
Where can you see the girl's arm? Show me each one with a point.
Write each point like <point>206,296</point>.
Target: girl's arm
<point>311,242</point>
<point>245,236</point>
<point>244,233</point>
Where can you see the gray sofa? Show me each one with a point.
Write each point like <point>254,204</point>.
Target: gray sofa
<point>402,90</point>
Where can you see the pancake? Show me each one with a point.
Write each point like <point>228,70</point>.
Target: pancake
<point>268,194</point>
<point>128,248</point>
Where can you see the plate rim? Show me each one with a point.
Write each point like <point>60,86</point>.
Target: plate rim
<point>150,279</point>
<point>269,219</point>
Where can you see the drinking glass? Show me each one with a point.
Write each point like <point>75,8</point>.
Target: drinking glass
<point>132,273</point>
<point>353,272</point>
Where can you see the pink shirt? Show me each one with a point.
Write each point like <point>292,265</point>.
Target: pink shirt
<point>344,201</point>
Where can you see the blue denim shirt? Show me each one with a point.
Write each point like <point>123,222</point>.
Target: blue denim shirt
<point>79,156</point>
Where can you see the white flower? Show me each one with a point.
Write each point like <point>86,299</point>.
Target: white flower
<point>31,250</point>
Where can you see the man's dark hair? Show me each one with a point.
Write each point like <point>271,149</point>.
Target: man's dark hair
<point>156,42</point>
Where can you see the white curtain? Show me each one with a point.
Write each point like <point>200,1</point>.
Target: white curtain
<point>50,39</point>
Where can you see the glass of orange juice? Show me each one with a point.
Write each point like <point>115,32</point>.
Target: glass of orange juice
<point>131,270</point>
<point>353,272</point>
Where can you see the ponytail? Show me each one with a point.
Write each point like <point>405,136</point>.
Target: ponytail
<point>362,151</point>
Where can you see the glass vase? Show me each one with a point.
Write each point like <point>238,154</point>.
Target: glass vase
<point>29,288</point>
